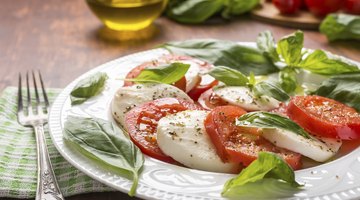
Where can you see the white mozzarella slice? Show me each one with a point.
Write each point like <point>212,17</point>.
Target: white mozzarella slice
<point>127,98</point>
<point>318,150</point>
<point>183,137</point>
<point>192,75</point>
<point>244,98</point>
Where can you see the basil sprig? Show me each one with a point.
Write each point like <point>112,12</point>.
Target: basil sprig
<point>106,144</point>
<point>232,77</point>
<point>270,120</point>
<point>341,27</point>
<point>167,74</point>
<point>290,52</point>
<point>266,43</point>
<point>271,90</point>
<point>88,87</point>
<point>344,88</point>
<point>225,53</point>
<point>198,11</point>
<point>267,177</point>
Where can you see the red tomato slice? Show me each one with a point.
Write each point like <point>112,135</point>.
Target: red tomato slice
<point>238,144</point>
<point>199,89</point>
<point>352,6</point>
<point>166,59</point>
<point>210,100</point>
<point>325,117</point>
<point>141,123</point>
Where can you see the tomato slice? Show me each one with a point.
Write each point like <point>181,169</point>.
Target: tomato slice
<point>210,100</point>
<point>238,144</point>
<point>199,89</point>
<point>141,123</point>
<point>325,117</point>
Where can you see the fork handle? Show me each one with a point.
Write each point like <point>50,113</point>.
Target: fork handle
<point>47,186</point>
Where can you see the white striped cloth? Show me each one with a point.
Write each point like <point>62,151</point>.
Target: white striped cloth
<point>18,156</point>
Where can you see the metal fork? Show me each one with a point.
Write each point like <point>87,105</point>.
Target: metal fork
<point>35,114</point>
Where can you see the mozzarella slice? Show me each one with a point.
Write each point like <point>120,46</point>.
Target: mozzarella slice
<point>244,98</point>
<point>127,98</point>
<point>192,75</point>
<point>183,137</point>
<point>318,150</point>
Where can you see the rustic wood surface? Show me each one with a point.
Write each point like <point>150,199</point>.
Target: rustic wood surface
<point>64,39</point>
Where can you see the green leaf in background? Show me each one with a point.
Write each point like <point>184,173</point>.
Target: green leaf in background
<point>225,53</point>
<point>288,81</point>
<point>106,144</point>
<point>341,27</point>
<point>88,87</point>
<point>271,90</point>
<point>192,11</point>
<point>319,63</point>
<point>266,43</point>
<point>270,120</point>
<point>267,177</point>
<point>344,88</point>
<point>238,7</point>
<point>167,74</point>
<point>290,48</point>
<point>230,77</point>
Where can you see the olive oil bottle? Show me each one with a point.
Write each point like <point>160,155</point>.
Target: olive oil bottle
<point>127,15</point>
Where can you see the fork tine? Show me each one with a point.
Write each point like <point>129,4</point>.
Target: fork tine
<point>43,91</point>
<point>20,101</point>
<point>36,90</point>
<point>28,94</point>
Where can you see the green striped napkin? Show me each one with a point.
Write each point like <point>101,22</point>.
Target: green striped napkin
<point>18,156</point>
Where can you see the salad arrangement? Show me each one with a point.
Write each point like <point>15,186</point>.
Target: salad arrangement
<point>225,116</point>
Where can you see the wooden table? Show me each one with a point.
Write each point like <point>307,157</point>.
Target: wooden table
<point>61,38</point>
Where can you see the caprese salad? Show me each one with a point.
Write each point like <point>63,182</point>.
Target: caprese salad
<point>202,121</point>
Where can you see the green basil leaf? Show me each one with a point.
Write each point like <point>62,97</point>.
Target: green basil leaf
<point>88,87</point>
<point>344,88</point>
<point>193,11</point>
<point>252,79</point>
<point>290,48</point>
<point>288,81</point>
<point>341,27</point>
<point>225,53</point>
<point>319,63</point>
<point>105,143</point>
<point>270,120</point>
<point>269,177</point>
<point>266,43</point>
<point>271,90</point>
<point>167,74</point>
<point>238,7</point>
<point>230,77</point>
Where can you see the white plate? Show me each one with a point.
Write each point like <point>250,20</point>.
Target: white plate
<point>339,179</point>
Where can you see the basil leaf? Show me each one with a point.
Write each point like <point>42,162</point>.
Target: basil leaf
<point>269,176</point>
<point>225,53</point>
<point>270,120</point>
<point>106,144</point>
<point>290,48</point>
<point>319,63</point>
<point>237,7</point>
<point>192,11</point>
<point>167,74</point>
<point>288,81</point>
<point>271,90</point>
<point>230,77</point>
<point>344,88</point>
<point>266,43</point>
<point>341,27</point>
<point>88,87</point>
